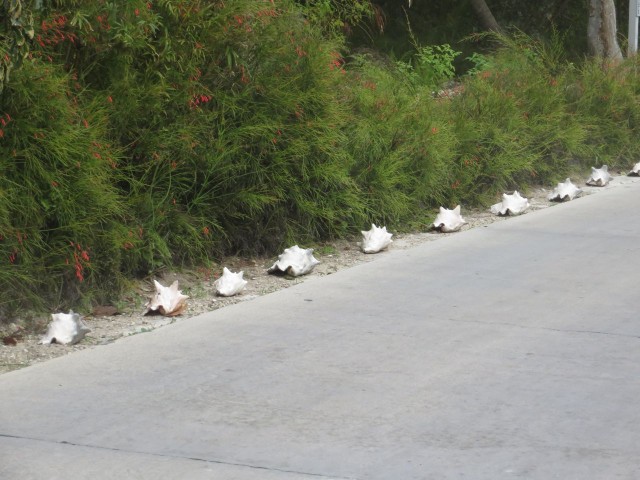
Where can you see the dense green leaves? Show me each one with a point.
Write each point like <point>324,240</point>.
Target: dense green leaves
<point>144,135</point>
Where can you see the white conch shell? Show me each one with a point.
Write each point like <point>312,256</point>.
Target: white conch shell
<point>376,239</point>
<point>168,301</point>
<point>449,220</point>
<point>65,328</point>
<point>635,171</point>
<point>229,284</point>
<point>599,176</point>
<point>294,261</point>
<point>564,192</point>
<point>511,205</point>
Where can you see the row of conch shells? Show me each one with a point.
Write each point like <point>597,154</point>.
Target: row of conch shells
<point>376,239</point>
<point>65,328</point>
<point>564,192</point>
<point>448,220</point>
<point>599,176</point>
<point>513,204</point>
<point>294,261</point>
<point>168,301</point>
<point>69,328</point>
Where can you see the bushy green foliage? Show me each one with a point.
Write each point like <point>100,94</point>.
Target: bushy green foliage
<point>524,116</point>
<point>432,65</point>
<point>574,115</point>
<point>59,207</point>
<point>513,122</point>
<point>142,135</point>
<point>607,103</point>
<point>402,144</point>
<point>335,17</point>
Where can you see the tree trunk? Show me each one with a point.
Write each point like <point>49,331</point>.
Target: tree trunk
<point>602,31</point>
<point>487,19</point>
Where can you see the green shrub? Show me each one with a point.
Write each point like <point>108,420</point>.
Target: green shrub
<point>513,122</point>
<point>59,208</point>
<point>231,127</point>
<point>606,102</point>
<point>147,135</point>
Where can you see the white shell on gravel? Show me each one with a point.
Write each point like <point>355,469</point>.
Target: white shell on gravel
<point>376,239</point>
<point>229,284</point>
<point>635,171</point>
<point>294,261</point>
<point>168,301</point>
<point>599,176</point>
<point>65,328</point>
<point>511,205</point>
<point>449,220</point>
<point>565,191</point>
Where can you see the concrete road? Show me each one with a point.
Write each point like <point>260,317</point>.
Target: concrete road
<point>510,351</point>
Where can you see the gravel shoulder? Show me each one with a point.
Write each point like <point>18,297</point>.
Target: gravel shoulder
<point>20,347</point>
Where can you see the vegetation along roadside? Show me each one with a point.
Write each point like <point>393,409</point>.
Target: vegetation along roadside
<point>142,136</point>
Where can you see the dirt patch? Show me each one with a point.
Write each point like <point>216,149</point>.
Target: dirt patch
<point>19,347</point>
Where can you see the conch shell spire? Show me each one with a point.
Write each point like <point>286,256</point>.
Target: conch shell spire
<point>168,301</point>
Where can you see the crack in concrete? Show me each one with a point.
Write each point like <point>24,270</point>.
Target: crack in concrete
<point>196,459</point>
<point>550,329</point>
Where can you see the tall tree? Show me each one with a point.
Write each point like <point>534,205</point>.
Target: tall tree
<point>484,14</point>
<point>602,30</point>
